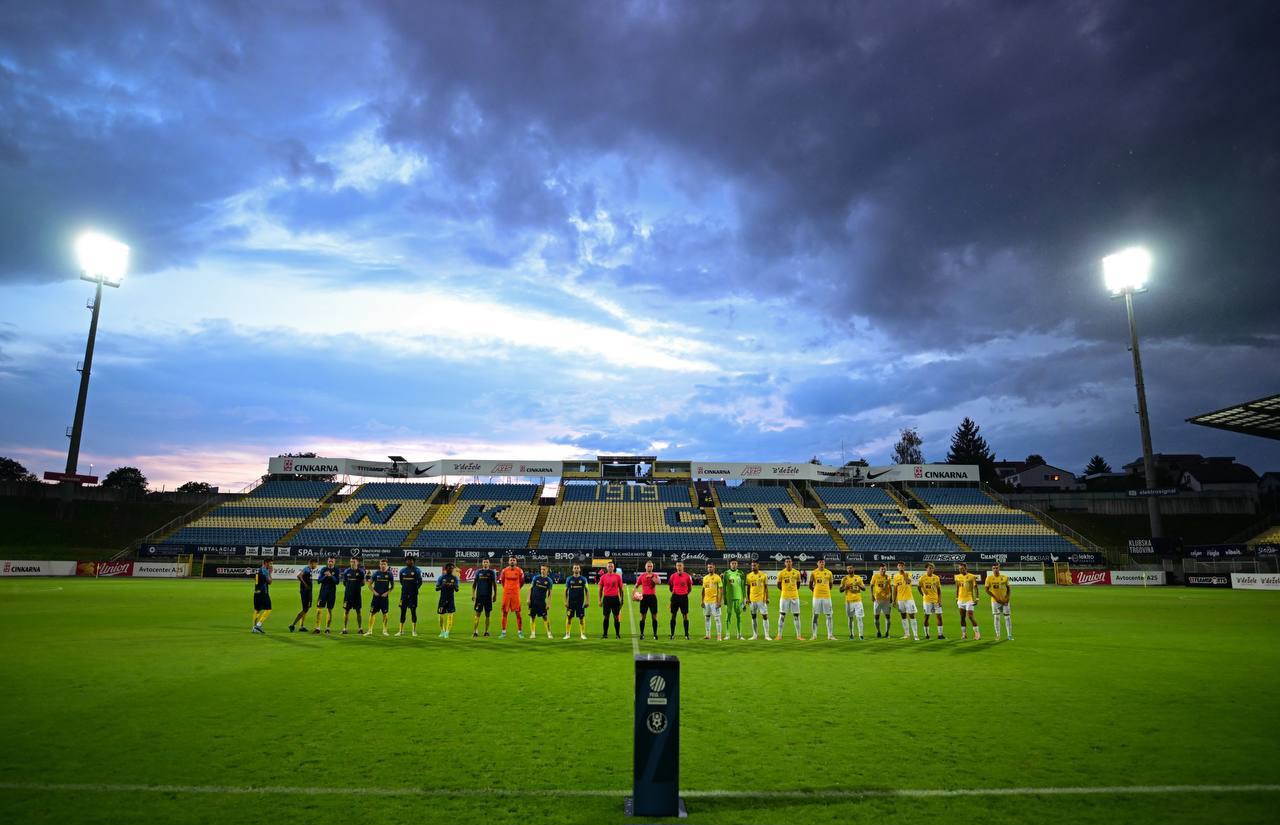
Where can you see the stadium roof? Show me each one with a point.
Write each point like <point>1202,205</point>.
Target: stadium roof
<point>1260,418</point>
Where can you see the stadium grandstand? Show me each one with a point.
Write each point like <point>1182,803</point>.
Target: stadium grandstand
<point>984,524</point>
<point>583,512</point>
<point>482,517</point>
<point>268,514</point>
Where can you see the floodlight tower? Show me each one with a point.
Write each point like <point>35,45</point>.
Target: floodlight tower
<point>1125,273</point>
<point>103,262</point>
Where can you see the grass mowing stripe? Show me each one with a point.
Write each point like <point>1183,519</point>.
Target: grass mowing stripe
<point>907,793</point>
<point>631,619</point>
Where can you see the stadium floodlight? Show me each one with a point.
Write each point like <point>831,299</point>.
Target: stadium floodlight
<point>1127,270</point>
<point>102,259</point>
<point>1125,273</point>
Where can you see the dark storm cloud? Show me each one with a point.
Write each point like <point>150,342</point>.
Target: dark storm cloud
<point>949,170</point>
<point>139,118</point>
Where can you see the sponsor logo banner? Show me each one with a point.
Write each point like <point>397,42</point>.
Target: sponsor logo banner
<point>37,568</point>
<point>1138,577</point>
<point>160,570</point>
<point>1020,577</point>
<point>165,550</point>
<point>1220,552</point>
<point>480,467</point>
<point>1255,581</point>
<point>1091,577</point>
<point>113,568</point>
<point>1208,581</point>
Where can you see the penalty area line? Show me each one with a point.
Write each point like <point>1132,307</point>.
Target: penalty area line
<point>476,793</point>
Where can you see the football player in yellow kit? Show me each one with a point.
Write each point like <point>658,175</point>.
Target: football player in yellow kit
<point>931,590</point>
<point>966,598</point>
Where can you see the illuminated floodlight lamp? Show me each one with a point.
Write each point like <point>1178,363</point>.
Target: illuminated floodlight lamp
<point>102,260</point>
<point>1126,270</point>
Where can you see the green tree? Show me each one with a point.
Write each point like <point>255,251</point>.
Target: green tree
<point>1097,464</point>
<point>197,487</point>
<point>128,479</point>
<point>969,447</point>
<point>11,470</point>
<point>907,450</point>
<point>1035,459</point>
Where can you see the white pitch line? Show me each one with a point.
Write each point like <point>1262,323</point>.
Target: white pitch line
<point>631,617</point>
<point>470,793</point>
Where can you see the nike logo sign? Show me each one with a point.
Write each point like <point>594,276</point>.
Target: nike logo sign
<point>426,469</point>
<point>877,475</point>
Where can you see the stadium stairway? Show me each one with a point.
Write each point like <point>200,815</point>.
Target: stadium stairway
<point>928,518</point>
<point>321,509</point>
<point>1056,526</point>
<point>422,523</point>
<point>828,526</point>
<point>714,524</point>
<point>540,521</point>
<point>795,496</point>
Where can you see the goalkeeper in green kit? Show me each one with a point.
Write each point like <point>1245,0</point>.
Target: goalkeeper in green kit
<point>735,598</point>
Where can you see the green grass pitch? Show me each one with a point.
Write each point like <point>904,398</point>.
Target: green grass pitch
<point>117,683</point>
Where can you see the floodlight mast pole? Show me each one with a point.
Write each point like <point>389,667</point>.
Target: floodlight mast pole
<point>1148,462</point>
<point>77,426</point>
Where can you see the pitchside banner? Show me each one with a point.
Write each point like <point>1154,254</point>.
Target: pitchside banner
<point>624,557</point>
<point>1021,578</point>
<point>1145,578</point>
<point>284,575</point>
<point>1208,581</point>
<point>1255,581</point>
<point>37,568</point>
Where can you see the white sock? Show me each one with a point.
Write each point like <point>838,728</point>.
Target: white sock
<point>754,631</point>
<point>718,633</point>
<point>997,624</point>
<point>830,631</point>
<point>813,626</point>
<point>906,628</point>
<point>766,625</point>
<point>1008,626</point>
<point>795,618</point>
<point>915,629</point>
<point>707,626</point>
<point>859,625</point>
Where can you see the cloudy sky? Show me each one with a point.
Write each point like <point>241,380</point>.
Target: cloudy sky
<point>541,230</point>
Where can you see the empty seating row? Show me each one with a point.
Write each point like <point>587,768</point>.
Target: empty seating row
<point>1269,536</point>
<point>751,494</point>
<point>854,495</point>
<point>1052,543</point>
<point>951,496</point>
<point>226,535</point>
<point>894,542</point>
<point>499,492</point>
<point>327,537</point>
<point>314,490</point>
<point>585,541</point>
<point>389,491</point>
